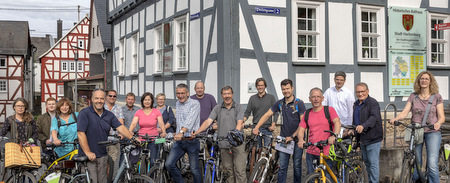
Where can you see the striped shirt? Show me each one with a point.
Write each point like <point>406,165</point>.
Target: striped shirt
<point>188,116</point>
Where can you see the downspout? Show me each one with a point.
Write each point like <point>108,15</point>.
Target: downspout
<point>103,54</point>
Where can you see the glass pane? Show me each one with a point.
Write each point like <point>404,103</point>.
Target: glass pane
<point>312,25</point>
<point>373,42</point>
<point>365,52</point>
<point>433,34</point>
<point>301,52</point>
<point>365,41</point>
<point>301,13</point>
<point>433,47</point>
<point>364,16</point>
<point>301,39</point>
<point>440,34</point>
<point>365,27</point>
<point>311,13</point>
<point>441,48</point>
<point>301,24</point>
<point>433,58</point>
<point>433,21</point>
<point>373,27</point>
<point>312,40</point>
<point>373,17</point>
<point>374,52</point>
<point>441,58</point>
<point>312,52</point>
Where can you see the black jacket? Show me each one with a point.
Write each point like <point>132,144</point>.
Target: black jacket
<point>370,119</point>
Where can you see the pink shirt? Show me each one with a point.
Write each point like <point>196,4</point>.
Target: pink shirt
<point>318,123</point>
<point>148,123</point>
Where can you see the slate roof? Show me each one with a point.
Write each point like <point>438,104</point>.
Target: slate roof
<point>14,37</point>
<point>105,28</point>
<point>42,44</point>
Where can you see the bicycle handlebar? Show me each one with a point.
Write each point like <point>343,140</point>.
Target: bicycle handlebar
<point>398,123</point>
<point>321,143</point>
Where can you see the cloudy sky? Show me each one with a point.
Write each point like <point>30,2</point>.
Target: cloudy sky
<point>42,14</point>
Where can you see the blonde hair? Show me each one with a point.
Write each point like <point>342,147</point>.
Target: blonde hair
<point>434,88</point>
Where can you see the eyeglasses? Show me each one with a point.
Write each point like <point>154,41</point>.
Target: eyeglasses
<point>113,96</point>
<point>424,79</point>
<point>20,106</point>
<point>358,92</point>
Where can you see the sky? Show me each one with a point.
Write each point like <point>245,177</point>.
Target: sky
<point>43,14</point>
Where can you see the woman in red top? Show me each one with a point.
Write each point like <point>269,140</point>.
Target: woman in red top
<point>148,118</point>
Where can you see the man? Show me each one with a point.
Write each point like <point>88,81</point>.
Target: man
<point>94,124</point>
<point>369,130</point>
<point>110,105</point>
<point>340,98</point>
<point>229,116</point>
<point>258,105</point>
<point>188,120</point>
<point>44,122</point>
<point>129,110</point>
<point>207,101</point>
<point>291,110</point>
<point>317,122</point>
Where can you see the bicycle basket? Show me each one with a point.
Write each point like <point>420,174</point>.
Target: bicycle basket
<point>418,135</point>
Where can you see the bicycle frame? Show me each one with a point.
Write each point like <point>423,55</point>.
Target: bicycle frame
<point>70,155</point>
<point>211,160</point>
<point>321,167</point>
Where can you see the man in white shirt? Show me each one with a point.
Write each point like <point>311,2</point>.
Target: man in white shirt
<point>340,98</point>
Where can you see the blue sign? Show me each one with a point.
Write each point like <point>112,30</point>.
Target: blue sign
<point>195,16</point>
<point>267,10</point>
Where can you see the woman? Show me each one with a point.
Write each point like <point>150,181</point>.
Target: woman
<point>167,113</point>
<point>148,118</point>
<point>425,86</point>
<point>21,125</point>
<point>64,126</point>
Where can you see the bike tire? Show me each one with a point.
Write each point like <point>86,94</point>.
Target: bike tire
<point>407,170</point>
<point>110,169</point>
<point>443,164</point>
<point>82,178</point>
<point>157,175</point>
<point>258,170</point>
<point>358,174</point>
<point>26,177</point>
<point>315,177</point>
<point>143,165</point>
<point>201,165</point>
<point>140,179</point>
<point>208,174</point>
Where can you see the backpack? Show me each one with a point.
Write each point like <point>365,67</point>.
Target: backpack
<point>296,101</point>
<point>59,120</point>
<point>327,115</point>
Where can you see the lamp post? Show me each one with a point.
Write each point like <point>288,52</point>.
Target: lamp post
<point>75,93</point>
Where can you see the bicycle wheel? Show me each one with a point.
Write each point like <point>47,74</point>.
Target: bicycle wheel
<point>26,177</point>
<point>442,162</point>
<point>157,175</point>
<point>143,164</point>
<point>257,172</point>
<point>140,179</point>
<point>315,178</point>
<point>407,170</point>
<point>208,174</point>
<point>110,169</point>
<point>80,179</point>
<point>357,174</point>
<point>201,166</point>
<point>65,178</point>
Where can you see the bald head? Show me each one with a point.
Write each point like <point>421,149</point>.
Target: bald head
<point>199,89</point>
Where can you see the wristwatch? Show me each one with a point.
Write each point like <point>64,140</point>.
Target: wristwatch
<point>181,131</point>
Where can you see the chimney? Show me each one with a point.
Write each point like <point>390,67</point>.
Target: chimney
<point>59,27</point>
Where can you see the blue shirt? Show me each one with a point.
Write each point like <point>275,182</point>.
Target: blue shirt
<point>96,128</point>
<point>65,134</point>
<point>188,116</point>
<point>357,111</point>
<point>291,117</point>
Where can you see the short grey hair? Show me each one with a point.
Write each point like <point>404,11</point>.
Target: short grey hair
<point>362,84</point>
<point>182,85</point>
<point>315,88</point>
<point>340,73</point>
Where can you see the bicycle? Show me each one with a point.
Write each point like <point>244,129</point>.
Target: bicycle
<point>267,165</point>
<point>346,166</point>
<point>251,146</point>
<point>444,161</point>
<point>410,161</point>
<point>211,174</point>
<point>159,172</point>
<point>144,160</point>
<point>60,164</point>
<point>18,174</point>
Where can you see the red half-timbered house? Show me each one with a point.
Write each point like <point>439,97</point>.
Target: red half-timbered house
<point>58,64</point>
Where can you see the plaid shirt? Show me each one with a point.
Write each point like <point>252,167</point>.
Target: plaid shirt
<point>117,111</point>
<point>188,116</point>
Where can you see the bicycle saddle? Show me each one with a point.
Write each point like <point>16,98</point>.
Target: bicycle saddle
<point>80,158</point>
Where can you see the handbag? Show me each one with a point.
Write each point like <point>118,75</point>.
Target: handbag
<point>419,133</point>
<point>22,156</point>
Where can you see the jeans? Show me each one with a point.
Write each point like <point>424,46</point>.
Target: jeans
<point>267,140</point>
<point>433,143</point>
<point>192,148</point>
<point>154,152</point>
<point>284,165</point>
<point>311,165</point>
<point>371,157</point>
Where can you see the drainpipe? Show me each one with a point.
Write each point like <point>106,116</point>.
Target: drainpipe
<point>103,54</point>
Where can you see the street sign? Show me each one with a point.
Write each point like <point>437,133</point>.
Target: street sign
<point>267,10</point>
<point>443,26</point>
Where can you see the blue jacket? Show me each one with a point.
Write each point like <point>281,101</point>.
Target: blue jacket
<point>370,119</point>
<point>169,117</point>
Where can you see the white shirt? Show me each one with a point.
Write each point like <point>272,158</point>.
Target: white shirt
<point>342,101</point>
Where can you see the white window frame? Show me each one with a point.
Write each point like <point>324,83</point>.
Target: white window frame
<point>122,57</point>
<point>380,34</point>
<point>6,64</point>
<point>62,66</point>
<point>5,85</point>
<point>159,49</point>
<point>80,43</point>
<point>319,32</point>
<point>445,41</point>
<point>60,90</point>
<point>80,63</point>
<point>70,66</point>
<point>135,53</point>
<point>180,60</point>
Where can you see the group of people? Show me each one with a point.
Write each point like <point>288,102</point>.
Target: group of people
<point>197,113</point>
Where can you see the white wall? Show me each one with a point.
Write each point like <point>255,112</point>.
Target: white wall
<point>211,80</point>
<point>406,3</point>
<point>272,42</point>
<point>274,3</point>
<point>443,86</point>
<point>341,33</point>
<point>248,77</point>
<point>375,81</point>
<point>349,81</point>
<point>244,37</point>
<point>304,83</point>
<point>279,71</point>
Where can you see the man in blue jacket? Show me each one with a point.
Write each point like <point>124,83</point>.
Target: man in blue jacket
<point>367,118</point>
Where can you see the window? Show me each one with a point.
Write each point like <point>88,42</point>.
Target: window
<point>98,31</point>
<point>371,33</point>
<point>80,66</point>
<point>2,62</point>
<point>81,43</point>
<point>60,90</point>
<point>134,54</point>
<point>3,86</point>
<point>93,32</point>
<point>308,44</point>
<point>181,40</point>
<point>159,48</point>
<point>121,65</point>
<point>72,66</point>
<point>438,44</point>
<point>64,66</point>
